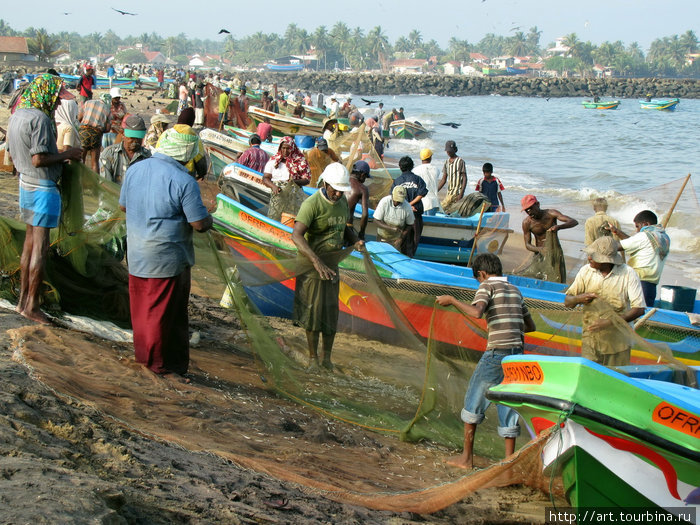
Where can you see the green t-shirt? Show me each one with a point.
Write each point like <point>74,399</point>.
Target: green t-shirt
<point>325,221</point>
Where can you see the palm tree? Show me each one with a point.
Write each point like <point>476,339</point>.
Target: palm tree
<point>459,48</point>
<point>229,48</point>
<point>573,43</point>
<point>43,45</point>
<point>689,41</point>
<point>402,44</point>
<point>378,46</point>
<point>517,44</point>
<point>533,40</point>
<point>170,46</point>
<point>415,39</point>
<point>342,39</point>
<point>321,43</point>
<point>111,41</point>
<point>5,29</point>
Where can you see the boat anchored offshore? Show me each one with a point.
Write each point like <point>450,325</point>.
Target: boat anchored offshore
<point>668,104</point>
<point>622,438</point>
<point>606,104</point>
<point>403,129</point>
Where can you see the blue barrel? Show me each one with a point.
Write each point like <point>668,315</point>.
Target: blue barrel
<point>304,141</point>
<point>678,298</point>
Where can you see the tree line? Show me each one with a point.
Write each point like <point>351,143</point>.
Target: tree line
<point>343,47</point>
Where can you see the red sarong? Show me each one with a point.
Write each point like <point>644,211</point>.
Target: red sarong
<point>160,323</point>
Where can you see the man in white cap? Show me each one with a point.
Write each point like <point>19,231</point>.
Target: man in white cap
<point>395,221</point>
<point>607,288</point>
<point>163,205</point>
<point>320,233</point>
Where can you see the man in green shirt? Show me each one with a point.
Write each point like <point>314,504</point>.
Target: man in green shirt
<point>320,233</point>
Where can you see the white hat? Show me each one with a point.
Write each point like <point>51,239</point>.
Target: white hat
<point>337,176</point>
<point>115,92</point>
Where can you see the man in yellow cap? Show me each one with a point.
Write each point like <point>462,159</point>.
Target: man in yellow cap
<point>431,175</point>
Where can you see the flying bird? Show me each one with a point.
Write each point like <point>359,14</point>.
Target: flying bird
<point>123,12</point>
<point>224,31</point>
<point>453,125</point>
<point>67,13</point>
<point>368,102</point>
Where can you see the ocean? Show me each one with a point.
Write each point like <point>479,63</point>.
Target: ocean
<point>567,155</point>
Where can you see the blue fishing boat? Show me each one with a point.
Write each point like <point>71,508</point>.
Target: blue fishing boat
<point>284,67</point>
<point>668,104</point>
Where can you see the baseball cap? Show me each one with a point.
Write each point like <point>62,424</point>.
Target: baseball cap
<point>134,127</point>
<point>361,167</point>
<point>398,194</point>
<point>426,153</point>
<point>528,201</point>
<point>451,145</point>
<point>337,176</point>
<point>604,250</point>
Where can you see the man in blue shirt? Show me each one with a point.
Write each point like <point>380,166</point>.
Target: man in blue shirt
<point>415,191</point>
<point>163,205</point>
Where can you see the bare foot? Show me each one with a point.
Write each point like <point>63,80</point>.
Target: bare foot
<point>327,365</point>
<point>37,316</point>
<point>184,379</point>
<point>460,462</point>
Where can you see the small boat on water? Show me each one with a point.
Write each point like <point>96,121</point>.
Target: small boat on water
<point>622,438</point>
<point>668,104</point>
<point>286,125</point>
<point>404,129</point>
<point>284,67</point>
<point>602,104</point>
<point>414,284</point>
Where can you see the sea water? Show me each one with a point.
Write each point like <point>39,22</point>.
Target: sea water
<point>562,152</point>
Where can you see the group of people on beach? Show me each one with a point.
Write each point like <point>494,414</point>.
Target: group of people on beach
<point>163,205</point>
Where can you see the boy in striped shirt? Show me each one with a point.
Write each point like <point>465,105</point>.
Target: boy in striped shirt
<point>508,319</point>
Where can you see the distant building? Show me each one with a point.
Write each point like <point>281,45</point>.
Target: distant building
<point>559,48</point>
<point>408,65</point>
<point>15,49</point>
<point>155,58</point>
<point>452,67</point>
<point>478,58</point>
<point>503,62</point>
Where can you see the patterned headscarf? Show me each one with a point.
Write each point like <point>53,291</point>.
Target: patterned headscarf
<point>42,93</point>
<point>659,239</point>
<point>107,99</point>
<point>179,142</point>
<point>296,162</point>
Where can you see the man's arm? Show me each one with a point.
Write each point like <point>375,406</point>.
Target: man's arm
<point>565,221</point>
<point>616,231</point>
<point>463,179</point>
<point>529,323</point>
<point>42,160</point>
<point>365,211</point>
<point>470,310</point>
<point>303,246</point>
<point>443,179</point>
<point>203,225</point>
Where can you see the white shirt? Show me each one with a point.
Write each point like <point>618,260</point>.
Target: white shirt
<point>430,174</point>
<point>400,215</point>
<point>280,173</point>
<point>643,257</point>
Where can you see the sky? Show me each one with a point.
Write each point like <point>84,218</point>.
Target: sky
<point>639,21</point>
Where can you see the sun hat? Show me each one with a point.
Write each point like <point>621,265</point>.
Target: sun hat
<point>115,92</point>
<point>361,167</point>
<point>604,250</point>
<point>426,153</point>
<point>528,201</point>
<point>398,194</point>
<point>134,127</point>
<point>162,117</point>
<point>337,176</point>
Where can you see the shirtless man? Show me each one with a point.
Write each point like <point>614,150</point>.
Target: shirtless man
<point>359,193</point>
<point>538,222</point>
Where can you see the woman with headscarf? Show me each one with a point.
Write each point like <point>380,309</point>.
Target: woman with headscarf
<point>118,112</point>
<point>284,174</point>
<point>66,117</point>
<point>375,136</point>
<point>159,123</point>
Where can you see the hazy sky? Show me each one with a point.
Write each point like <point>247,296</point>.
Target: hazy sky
<point>595,20</point>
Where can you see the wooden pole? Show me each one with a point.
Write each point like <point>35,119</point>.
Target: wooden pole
<point>478,229</point>
<point>673,206</point>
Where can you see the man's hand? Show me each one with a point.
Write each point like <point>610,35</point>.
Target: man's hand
<point>554,228</point>
<point>360,245</point>
<point>72,153</point>
<point>586,298</point>
<point>598,325</point>
<point>324,271</point>
<point>444,300</point>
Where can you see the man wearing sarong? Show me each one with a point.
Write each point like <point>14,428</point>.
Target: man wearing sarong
<point>607,288</point>
<point>254,157</point>
<point>542,225</point>
<point>454,173</point>
<point>320,232</point>
<point>163,205</point>
<point>32,144</point>
<point>95,119</point>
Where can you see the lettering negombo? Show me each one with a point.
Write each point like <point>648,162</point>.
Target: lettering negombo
<point>523,372</point>
<point>677,419</point>
<point>259,225</point>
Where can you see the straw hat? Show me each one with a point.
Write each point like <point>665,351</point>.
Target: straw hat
<point>604,250</point>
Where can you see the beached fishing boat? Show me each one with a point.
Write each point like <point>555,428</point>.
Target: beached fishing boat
<point>643,452</point>
<point>286,125</point>
<point>605,104</point>
<point>404,129</point>
<point>414,285</point>
<point>102,82</point>
<point>444,238</point>
<point>310,112</point>
<point>668,104</point>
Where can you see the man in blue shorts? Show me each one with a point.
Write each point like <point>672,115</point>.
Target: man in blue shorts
<point>32,144</point>
<point>508,319</point>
